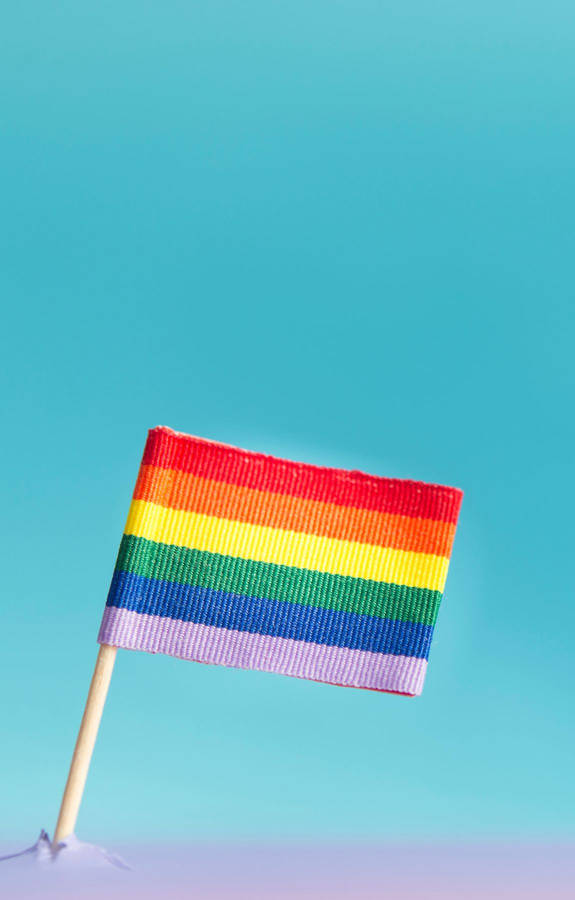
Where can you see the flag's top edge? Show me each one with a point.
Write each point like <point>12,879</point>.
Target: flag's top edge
<point>352,474</point>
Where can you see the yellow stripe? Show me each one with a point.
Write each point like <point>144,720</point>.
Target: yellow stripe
<point>285,548</point>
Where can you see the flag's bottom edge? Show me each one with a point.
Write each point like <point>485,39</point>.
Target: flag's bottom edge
<point>244,650</point>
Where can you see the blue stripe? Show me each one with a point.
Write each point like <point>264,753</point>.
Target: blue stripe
<point>255,615</point>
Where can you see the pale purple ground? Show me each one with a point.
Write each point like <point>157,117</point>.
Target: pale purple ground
<point>254,871</point>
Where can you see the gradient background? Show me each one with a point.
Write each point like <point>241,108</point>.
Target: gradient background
<point>335,231</point>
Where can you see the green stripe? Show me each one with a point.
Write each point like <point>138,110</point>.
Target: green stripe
<point>256,579</point>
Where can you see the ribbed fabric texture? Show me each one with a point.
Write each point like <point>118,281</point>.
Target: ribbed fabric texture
<point>240,559</point>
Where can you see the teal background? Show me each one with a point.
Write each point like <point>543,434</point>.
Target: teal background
<point>335,231</point>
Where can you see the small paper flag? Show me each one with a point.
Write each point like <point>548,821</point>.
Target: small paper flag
<point>240,559</point>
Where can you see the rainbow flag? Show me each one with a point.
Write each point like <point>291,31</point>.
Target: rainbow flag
<point>246,560</point>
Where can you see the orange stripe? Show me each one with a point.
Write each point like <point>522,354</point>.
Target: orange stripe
<point>182,490</point>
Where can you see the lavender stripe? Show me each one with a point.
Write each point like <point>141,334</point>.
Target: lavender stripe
<point>302,659</point>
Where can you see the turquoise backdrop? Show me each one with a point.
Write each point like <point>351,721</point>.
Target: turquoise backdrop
<point>336,231</point>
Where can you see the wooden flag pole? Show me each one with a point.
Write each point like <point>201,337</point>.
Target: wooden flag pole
<point>85,744</point>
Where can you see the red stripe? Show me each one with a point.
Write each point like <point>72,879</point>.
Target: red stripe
<point>172,450</point>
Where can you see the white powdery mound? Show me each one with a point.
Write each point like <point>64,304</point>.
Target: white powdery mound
<point>69,854</point>
<point>69,872</point>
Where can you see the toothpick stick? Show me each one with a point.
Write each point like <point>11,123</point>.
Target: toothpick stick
<point>85,744</point>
